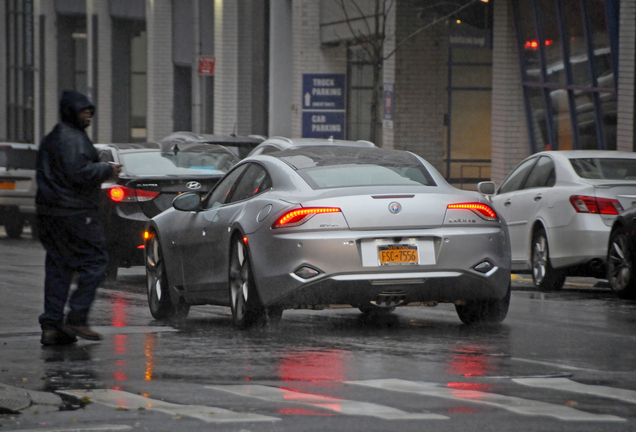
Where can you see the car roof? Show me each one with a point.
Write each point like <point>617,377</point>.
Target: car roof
<point>24,146</point>
<point>131,146</point>
<point>569,154</point>
<point>284,142</point>
<point>230,140</point>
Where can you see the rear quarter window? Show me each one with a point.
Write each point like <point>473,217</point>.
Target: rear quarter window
<point>13,158</point>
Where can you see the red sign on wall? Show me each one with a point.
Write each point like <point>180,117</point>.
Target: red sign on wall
<point>206,65</point>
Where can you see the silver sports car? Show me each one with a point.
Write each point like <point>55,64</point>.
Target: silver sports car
<point>328,225</point>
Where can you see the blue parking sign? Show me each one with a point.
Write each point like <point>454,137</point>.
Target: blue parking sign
<point>324,124</point>
<point>323,92</point>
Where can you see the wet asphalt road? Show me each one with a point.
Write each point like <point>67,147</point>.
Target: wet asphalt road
<point>560,362</point>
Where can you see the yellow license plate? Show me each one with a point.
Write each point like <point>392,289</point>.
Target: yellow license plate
<point>7,185</point>
<point>399,254</point>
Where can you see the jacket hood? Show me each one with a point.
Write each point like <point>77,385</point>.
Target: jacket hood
<point>71,104</point>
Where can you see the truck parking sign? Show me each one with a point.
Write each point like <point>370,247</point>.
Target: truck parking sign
<point>324,106</point>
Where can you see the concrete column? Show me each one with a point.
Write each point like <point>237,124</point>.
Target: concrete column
<point>196,78</point>
<point>160,120</point>
<point>626,76</point>
<point>226,70</point>
<point>103,88</point>
<point>51,90</point>
<point>3,71</point>
<point>388,73</point>
<point>280,67</point>
<point>509,129</point>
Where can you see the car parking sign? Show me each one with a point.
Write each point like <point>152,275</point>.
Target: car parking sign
<point>324,106</point>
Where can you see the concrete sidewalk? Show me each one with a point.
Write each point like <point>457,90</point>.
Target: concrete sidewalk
<point>14,400</point>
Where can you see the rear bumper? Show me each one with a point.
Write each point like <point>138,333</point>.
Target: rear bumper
<point>343,279</point>
<point>585,239</point>
<point>124,236</point>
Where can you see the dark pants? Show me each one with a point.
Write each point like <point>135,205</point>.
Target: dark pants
<point>74,244</point>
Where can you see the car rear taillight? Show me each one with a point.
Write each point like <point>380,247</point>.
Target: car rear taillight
<point>481,209</point>
<point>299,216</point>
<point>590,204</point>
<point>126,194</point>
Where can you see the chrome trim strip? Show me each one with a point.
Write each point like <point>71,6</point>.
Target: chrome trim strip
<point>384,276</point>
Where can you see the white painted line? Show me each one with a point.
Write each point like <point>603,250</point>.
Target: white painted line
<point>342,406</point>
<point>83,429</point>
<point>572,386</point>
<point>510,403</point>
<point>559,365</point>
<point>121,399</point>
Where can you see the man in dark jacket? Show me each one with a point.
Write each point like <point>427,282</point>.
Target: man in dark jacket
<point>69,178</point>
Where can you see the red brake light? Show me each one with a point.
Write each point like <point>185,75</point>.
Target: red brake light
<point>299,216</point>
<point>123,193</point>
<point>590,204</point>
<point>483,210</point>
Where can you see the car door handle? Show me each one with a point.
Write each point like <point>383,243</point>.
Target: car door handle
<point>507,203</point>
<point>538,197</point>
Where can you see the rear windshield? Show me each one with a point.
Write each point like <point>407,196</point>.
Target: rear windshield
<point>323,168</point>
<point>605,168</point>
<point>13,158</point>
<point>183,162</point>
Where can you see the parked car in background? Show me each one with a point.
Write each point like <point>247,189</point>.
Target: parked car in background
<point>275,144</point>
<point>559,207</point>
<point>153,174</point>
<point>17,187</point>
<point>621,255</point>
<point>321,225</point>
<point>241,146</point>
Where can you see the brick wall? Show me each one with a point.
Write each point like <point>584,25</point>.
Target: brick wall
<point>626,76</point>
<point>160,76</point>
<point>307,54</point>
<point>420,87</point>
<point>509,131</point>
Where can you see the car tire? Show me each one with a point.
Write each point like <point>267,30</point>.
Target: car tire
<point>620,265</point>
<point>484,311</point>
<point>544,276</point>
<point>244,302</point>
<point>159,301</point>
<point>14,225</point>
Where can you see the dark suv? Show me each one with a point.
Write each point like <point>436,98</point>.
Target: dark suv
<point>17,187</point>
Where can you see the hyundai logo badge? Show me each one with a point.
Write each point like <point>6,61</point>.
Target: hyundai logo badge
<point>195,185</point>
<point>395,207</point>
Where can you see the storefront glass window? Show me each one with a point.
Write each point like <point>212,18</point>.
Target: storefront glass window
<point>581,101</point>
<point>576,37</point>
<point>551,42</point>
<point>529,42</point>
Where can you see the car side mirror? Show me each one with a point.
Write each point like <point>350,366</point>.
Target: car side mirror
<point>188,201</point>
<point>486,188</point>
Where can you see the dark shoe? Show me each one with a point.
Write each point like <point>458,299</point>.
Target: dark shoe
<point>82,331</point>
<point>55,337</point>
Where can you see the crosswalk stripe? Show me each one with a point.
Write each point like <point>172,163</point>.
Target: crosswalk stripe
<point>101,428</point>
<point>510,403</point>
<point>342,406</point>
<point>122,399</point>
<point>572,386</point>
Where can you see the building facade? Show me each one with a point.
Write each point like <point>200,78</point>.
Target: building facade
<point>472,86</point>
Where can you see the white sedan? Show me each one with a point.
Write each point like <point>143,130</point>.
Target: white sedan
<point>559,207</point>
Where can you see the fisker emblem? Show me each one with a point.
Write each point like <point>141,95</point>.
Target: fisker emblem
<point>395,207</point>
<point>193,185</point>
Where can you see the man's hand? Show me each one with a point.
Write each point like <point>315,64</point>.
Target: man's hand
<point>116,170</point>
